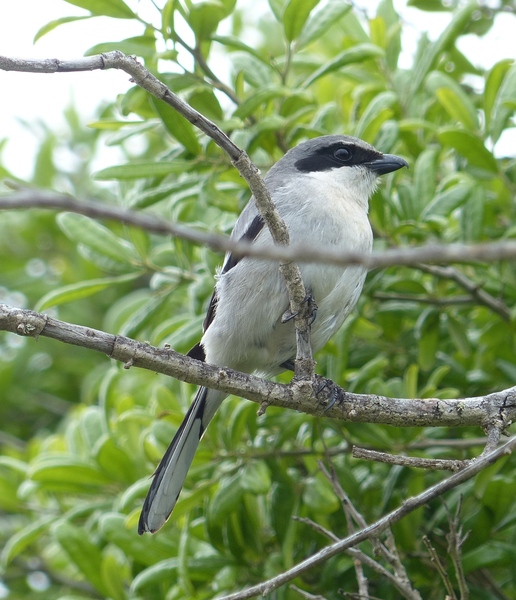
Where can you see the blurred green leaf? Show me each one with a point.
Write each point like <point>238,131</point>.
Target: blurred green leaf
<point>356,54</point>
<point>317,24</point>
<point>447,38</point>
<point>109,8</point>
<point>56,23</point>
<point>141,170</point>
<point>469,146</point>
<point>83,553</point>
<point>503,106</point>
<point>454,99</point>
<point>77,291</point>
<point>295,16</point>
<point>83,230</point>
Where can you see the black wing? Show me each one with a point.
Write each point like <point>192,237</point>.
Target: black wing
<point>231,261</point>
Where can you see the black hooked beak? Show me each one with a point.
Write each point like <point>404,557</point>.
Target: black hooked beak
<point>387,163</point>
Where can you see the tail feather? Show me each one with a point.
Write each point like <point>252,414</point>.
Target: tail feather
<point>171,472</point>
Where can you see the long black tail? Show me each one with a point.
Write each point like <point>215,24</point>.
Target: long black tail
<point>171,473</point>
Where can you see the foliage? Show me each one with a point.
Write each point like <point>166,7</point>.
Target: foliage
<point>82,434</point>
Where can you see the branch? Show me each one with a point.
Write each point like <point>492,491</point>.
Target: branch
<point>320,397</point>
<point>379,526</point>
<point>409,461</point>
<point>25,197</point>
<point>279,232</point>
<point>475,290</point>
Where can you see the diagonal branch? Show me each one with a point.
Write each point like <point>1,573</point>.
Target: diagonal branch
<point>375,529</point>
<point>279,232</point>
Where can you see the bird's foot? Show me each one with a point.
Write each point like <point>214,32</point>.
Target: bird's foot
<point>311,310</point>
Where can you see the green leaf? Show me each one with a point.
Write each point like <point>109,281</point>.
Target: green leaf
<point>453,99</point>
<point>295,16</point>
<point>225,501</point>
<point>17,543</point>
<point>204,17</point>
<point>318,495</point>
<point>165,190</point>
<point>470,147</point>
<point>178,127</point>
<point>65,472</point>
<point>141,170</point>
<point>115,573</point>
<point>250,104</point>
<point>356,54</point>
<point>446,40</point>
<point>458,335</point>
<point>319,23</point>
<point>53,24</point>
<point>377,112</point>
<point>255,477</point>
<point>82,552</point>
<point>494,80</point>
<point>428,5</point>
<point>255,71</point>
<point>114,461</point>
<point>145,550</point>
<point>109,8</point>
<point>425,178</point>
<point>447,201</point>
<point>428,335</point>
<point>144,46</point>
<point>238,44</point>
<point>100,239</point>
<point>78,291</point>
<point>504,104</point>
<point>472,216</point>
<point>278,8</point>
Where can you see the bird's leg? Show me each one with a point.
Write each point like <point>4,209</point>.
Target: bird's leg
<point>312,307</point>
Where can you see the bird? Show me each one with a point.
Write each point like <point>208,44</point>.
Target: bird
<point>321,188</point>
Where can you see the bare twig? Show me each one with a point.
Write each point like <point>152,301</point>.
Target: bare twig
<point>447,443</point>
<point>314,399</point>
<point>455,540</point>
<point>305,594</point>
<point>376,528</point>
<point>399,579</point>
<point>474,289</point>
<point>24,198</point>
<point>450,592</point>
<point>403,587</point>
<point>409,461</point>
<point>452,300</point>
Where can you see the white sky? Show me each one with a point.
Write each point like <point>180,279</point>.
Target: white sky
<point>42,97</point>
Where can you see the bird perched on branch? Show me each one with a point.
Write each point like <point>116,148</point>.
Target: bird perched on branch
<point>321,188</point>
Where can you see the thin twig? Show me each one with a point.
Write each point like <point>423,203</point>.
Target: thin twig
<point>455,541</point>
<point>376,528</point>
<point>409,461</point>
<point>403,587</point>
<point>450,253</point>
<point>440,569</point>
<point>474,289</point>
<point>451,301</point>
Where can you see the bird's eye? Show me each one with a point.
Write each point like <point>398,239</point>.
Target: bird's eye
<point>343,154</point>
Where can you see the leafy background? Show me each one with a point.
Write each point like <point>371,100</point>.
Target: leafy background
<point>80,435</point>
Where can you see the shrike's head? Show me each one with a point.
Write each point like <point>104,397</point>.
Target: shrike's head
<point>336,160</point>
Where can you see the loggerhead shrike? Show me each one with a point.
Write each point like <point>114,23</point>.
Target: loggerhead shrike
<point>321,188</point>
